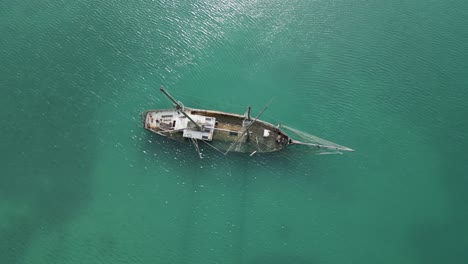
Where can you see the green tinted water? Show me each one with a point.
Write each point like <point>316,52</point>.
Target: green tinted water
<point>82,182</point>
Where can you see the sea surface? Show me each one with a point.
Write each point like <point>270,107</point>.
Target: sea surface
<point>82,182</point>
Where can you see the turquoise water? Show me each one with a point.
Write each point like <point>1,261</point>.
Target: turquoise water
<point>82,182</point>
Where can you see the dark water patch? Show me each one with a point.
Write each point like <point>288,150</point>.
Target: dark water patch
<point>429,97</point>
<point>46,172</point>
<point>276,258</point>
<point>296,167</point>
<point>107,245</point>
<point>436,242</point>
<point>58,70</point>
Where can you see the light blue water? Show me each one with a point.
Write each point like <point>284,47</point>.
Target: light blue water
<point>82,182</point>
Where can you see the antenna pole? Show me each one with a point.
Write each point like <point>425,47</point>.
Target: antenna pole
<point>179,107</point>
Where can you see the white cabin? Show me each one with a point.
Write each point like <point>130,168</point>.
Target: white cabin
<point>174,120</point>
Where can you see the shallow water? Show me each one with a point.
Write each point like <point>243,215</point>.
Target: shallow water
<point>82,182</point>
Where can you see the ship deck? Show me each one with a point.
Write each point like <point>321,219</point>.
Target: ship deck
<point>261,136</point>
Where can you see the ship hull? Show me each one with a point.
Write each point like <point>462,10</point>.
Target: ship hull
<point>226,133</point>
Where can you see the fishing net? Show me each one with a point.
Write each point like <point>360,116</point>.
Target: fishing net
<point>314,141</point>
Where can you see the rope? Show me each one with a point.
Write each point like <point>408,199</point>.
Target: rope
<point>195,143</point>
<point>213,147</point>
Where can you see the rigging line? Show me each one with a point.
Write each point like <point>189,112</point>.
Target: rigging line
<point>323,146</point>
<point>203,100</point>
<point>228,166</point>
<point>248,126</point>
<point>274,119</point>
<point>195,143</point>
<point>217,149</point>
<point>225,158</point>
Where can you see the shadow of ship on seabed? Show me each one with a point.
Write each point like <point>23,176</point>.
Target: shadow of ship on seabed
<point>154,149</point>
<point>237,172</point>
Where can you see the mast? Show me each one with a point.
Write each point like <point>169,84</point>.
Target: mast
<point>247,113</point>
<point>247,120</point>
<point>248,126</point>
<point>179,107</point>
